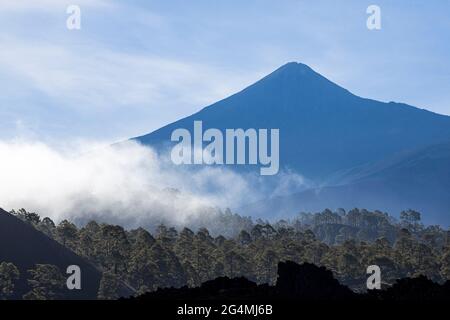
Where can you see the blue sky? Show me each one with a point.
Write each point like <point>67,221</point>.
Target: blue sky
<point>137,65</point>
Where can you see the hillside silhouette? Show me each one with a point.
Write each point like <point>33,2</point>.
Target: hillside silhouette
<point>305,282</point>
<point>25,247</point>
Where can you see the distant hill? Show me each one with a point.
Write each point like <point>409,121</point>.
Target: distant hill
<point>23,245</point>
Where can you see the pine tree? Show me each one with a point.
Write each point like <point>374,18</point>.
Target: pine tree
<point>46,282</point>
<point>8,276</point>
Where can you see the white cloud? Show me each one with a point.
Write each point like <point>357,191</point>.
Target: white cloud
<point>89,76</point>
<point>126,183</point>
<point>85,79</point>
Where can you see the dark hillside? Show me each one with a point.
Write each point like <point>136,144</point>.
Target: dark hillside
<point>23,245</point>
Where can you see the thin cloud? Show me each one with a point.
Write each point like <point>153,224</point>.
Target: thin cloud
<point>104,78</point>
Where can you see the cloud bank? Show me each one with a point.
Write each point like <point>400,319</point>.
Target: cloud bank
<point>128,184</point>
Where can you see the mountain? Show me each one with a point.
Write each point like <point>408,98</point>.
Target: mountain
<point>356,152</point>
<point>23,245</point>
<point>323,127</point>
<point>418,179</point>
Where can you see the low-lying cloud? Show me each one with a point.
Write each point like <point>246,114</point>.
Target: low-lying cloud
<point>126,183</point>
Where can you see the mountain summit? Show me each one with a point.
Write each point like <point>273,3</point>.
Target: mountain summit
<point>300,79</point>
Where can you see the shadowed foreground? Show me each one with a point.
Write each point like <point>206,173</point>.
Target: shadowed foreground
<point>305,282</point>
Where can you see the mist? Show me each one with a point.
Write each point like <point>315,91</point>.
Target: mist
<point>127,183</point>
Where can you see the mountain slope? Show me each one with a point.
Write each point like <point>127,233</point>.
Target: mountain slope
<point>417,179</point>
<point>323,127</point>
<point>24,246</point>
